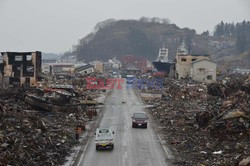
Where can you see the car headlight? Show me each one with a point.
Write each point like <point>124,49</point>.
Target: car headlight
<point>134,120</point>
<point>145,121</point>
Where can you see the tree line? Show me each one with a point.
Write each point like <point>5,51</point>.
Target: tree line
<point>145,36</point>
<point>241,31</point>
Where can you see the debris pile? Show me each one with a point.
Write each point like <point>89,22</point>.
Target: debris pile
<point>33,132</point>
<point>205,125</point>
<point>30,137</point>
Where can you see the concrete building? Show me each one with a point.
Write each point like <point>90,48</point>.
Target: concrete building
<point>58,68</point>
<point>98,66</point>
<point>203,70</point>
<point>184,64</point>
<point>20,68</point>
<point>84,70</point>
<point>199,67</point>
<point>112,65</point>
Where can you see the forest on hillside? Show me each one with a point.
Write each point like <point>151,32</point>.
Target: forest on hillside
<point>145,36</point>
<point>241,31</point>
<point>141,38</point>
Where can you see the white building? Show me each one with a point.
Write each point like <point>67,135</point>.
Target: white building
<point>114,64</point>
<point>203,70</point>
<point>86,69</point>
<point>56,68</point>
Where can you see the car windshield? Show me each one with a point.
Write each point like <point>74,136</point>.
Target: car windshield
<point>140,115</point>
<point>103,136</point>
<point>103,131</point>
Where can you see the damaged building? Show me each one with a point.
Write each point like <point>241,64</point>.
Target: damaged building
<point>57,68</point>
<point>184,64</point>
<point>203,70</point>
<point>85,70</point>
<point>199,67</point>
<point>20,68</point>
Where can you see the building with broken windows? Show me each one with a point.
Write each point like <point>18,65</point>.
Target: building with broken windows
<point>85,70</point>
<point>57,68</point>
<point>198,67</point>
<point>203,70</point>
<point>20,68</point>
<point>184,64</point>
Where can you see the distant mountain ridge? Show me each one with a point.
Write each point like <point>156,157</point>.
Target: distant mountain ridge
<point>144,37</point>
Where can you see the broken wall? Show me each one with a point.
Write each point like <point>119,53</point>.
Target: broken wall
<point>204,71</point>
<point>21,68</point>
<point>184,63</point>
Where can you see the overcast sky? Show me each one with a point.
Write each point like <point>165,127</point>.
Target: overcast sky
<point>55,25</point>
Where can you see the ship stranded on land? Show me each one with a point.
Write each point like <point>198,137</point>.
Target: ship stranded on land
<point>162,63</point>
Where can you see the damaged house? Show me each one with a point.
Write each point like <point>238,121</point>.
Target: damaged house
<point>203,70</point>
<point>20,68</point>
<point>85,70</point>
<point>184,64</point>
<point>198,67</point>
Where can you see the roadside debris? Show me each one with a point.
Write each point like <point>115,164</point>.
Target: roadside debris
<point>39,126</point>
<point>204,124</point>
<point>245,162</point>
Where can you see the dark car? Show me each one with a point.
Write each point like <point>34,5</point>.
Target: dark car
<point>140,119</point>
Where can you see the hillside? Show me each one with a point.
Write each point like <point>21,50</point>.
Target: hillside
<point>232,62</point>
<point>144,37</point>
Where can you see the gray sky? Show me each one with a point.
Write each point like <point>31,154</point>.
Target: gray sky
<point>55,25</point>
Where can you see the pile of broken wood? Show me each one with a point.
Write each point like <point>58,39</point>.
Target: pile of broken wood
<point>31,137</point>
<point>205,125</point>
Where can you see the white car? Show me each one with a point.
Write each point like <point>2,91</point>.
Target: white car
<point>104,138</point>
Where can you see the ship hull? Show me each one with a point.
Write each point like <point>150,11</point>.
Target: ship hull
<point>163,66</point>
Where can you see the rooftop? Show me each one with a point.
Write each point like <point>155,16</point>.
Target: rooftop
<point>83,67</point>
<point>20,53</point>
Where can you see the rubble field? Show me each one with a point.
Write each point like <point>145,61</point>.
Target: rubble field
<point>204,124</point>
<point>32,135</point>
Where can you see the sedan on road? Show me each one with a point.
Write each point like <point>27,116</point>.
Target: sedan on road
<point>140,119</point>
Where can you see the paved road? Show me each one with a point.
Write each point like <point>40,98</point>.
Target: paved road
<point>133,147</point>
